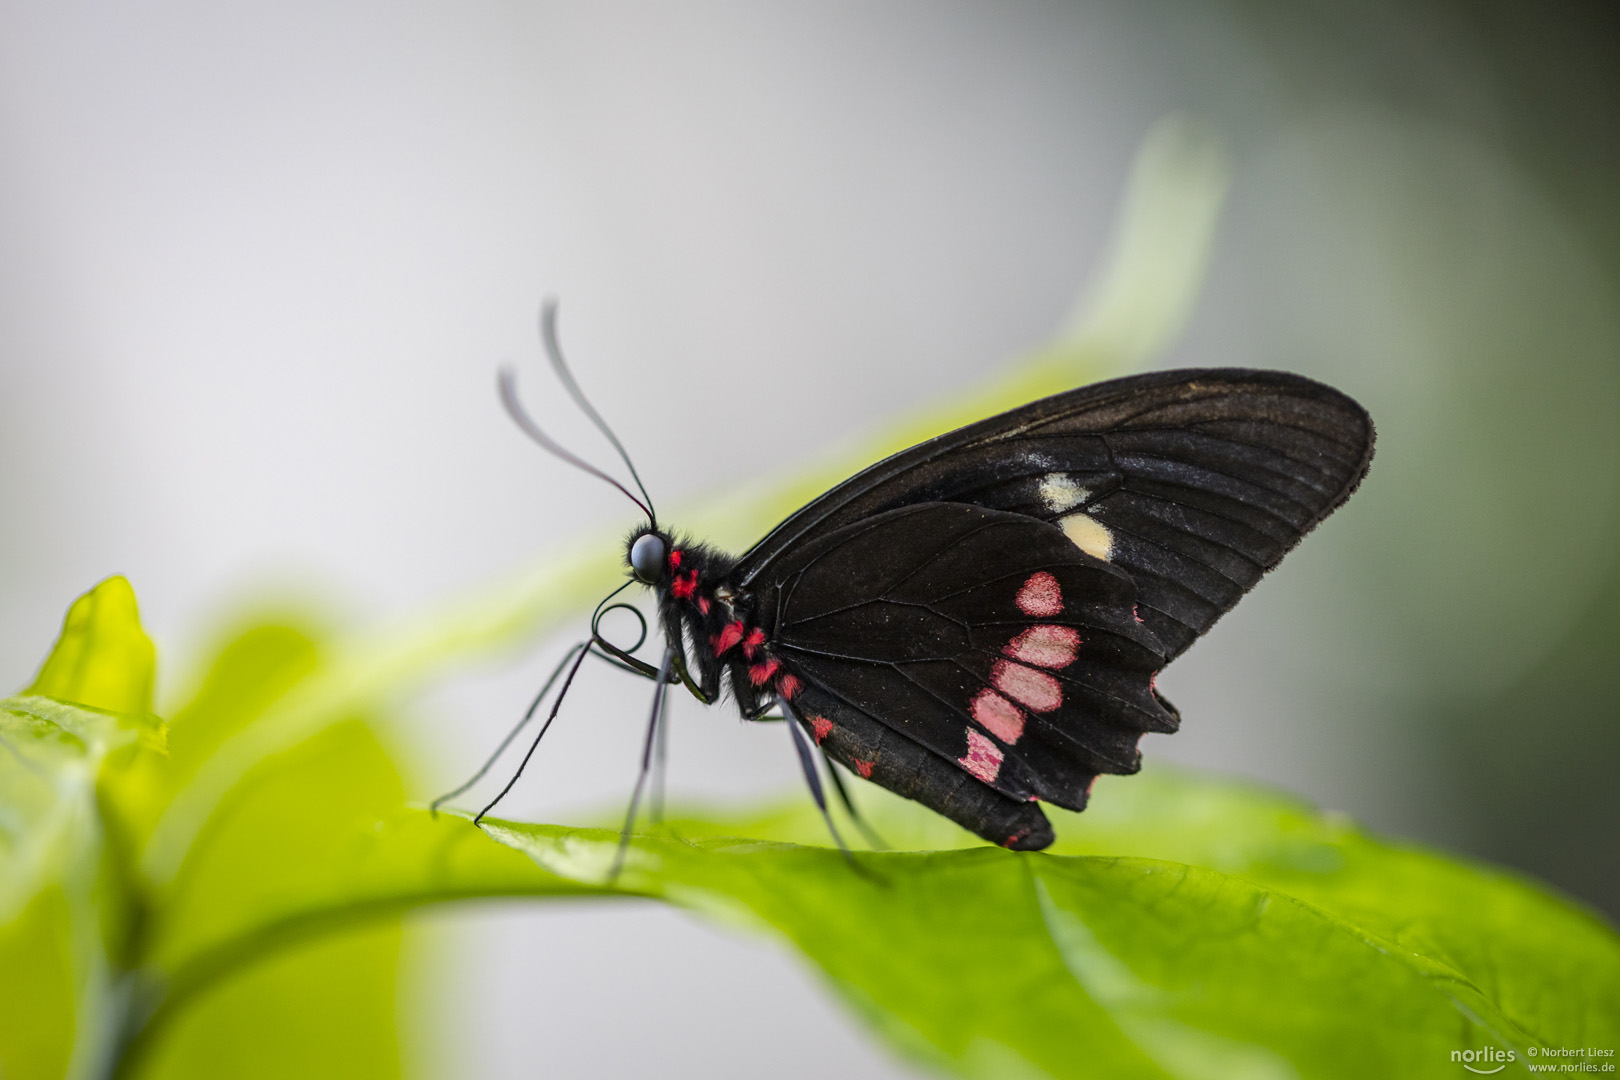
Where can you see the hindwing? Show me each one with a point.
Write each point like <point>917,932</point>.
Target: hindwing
<point>985,637</point>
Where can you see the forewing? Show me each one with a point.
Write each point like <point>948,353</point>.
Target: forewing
<point>985,638</point>
<point>1192,483</point>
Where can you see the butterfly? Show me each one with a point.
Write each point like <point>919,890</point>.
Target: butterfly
<point>976,623</point>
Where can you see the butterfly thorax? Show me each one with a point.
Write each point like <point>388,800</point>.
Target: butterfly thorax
<point>718,626</point>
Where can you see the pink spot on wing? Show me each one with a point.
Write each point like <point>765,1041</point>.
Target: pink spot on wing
<point>1045,646</point>
<point>983,757</point>
<point>1136,613</point>
<point>787,686</point>
<point>998,716</point>
<point>862,767</point>
<point>821,727</point>
<point>1040,596</point>
<point>1037,690</point>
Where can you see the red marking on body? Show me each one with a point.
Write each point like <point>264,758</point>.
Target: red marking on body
<point>1136,613</point>
<point>675,560</point>
<point>684,585</point>
<point>1045,646</point>
<point>787,686</point>
<point>727,637</point>
<point>1040,596</point>
<point>760,674</point>
<point>752,642</point>
<point>998,716</point>
<point>703,604</point>
<point>983,757</point>
<point>821,727</point>
<point>1033,689</point>
<point>862,767</point>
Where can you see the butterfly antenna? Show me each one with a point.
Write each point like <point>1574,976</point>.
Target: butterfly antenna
<point>548,334</point>
<point>507,381</point>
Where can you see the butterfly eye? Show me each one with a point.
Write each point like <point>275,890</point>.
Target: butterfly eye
<point>647,558</point>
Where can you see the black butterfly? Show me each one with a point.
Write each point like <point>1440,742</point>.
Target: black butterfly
<point>976,623</point>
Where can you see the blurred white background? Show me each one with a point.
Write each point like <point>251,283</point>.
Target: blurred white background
<point>258,265</point>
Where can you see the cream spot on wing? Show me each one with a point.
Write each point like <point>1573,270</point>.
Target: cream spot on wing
<point>1036,690</point>
<point>983,757</point>
<point>1089,535</point>
<point>998,716</point>
<point>1045,646</point>
<point>1040,596</point>
<point>1059,492</point>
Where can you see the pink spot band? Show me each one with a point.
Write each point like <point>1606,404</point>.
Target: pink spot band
<point>1036,690</point>
<point>983,757</point>
<point>998,716</point>
<point>1040,596</point>
<point>1045,646</point>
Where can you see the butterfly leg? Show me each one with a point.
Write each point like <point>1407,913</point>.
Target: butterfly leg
<point>867,831</point>
<point>807,763</point>
<point>653,724</point>
<point>616,656</point>
<point>655,809</point>
<point>433,807</point>
<point>555,705</point>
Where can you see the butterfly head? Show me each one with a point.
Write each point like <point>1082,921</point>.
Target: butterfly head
<point>647,552</point>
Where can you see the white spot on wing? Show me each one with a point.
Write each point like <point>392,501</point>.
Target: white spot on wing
<point>1059,492</point>
<point>1089,535</point>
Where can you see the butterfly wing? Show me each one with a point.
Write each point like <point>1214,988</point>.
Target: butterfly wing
<point>1193,482</point>
<point>976,621</point>
<point>1030,679</point>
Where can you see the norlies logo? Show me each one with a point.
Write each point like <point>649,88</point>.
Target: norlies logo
<point>1484,1062</point>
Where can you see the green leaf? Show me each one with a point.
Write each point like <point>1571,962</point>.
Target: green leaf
<point>103,658</point>
<point>331,1004</point>
<point>1211,930</point>
<point>1207,929</point>
<point>282,914</point>
<point>62,916</point>
<point>60,904</point>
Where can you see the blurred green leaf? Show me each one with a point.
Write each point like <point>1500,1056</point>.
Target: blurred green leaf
<point>282,917</point>
<point>103,658</point>
<point>312,1008</point>
<point>326,1010</point>
<point>63,910</point>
